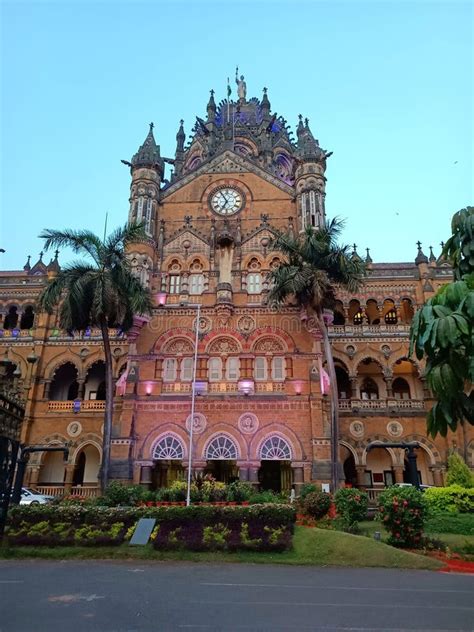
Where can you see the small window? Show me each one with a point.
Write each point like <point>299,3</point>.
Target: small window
<point>187,365</point>
<point>254,283</point>
<point>169,370</point>
<point>196,284</point>
<point>391,317</point>
<point>232,369</point>
<point>260,369</point>
<point>278,368</point>
<point>215,369</point>
<point>174,283</point>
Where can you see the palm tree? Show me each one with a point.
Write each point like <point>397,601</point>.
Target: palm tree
<point>99,292</point>
<point>314,264</point>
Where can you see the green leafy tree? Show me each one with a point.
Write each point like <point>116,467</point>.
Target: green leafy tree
<point>314,265</point>
<point>100,291</point>
<point>458,472</point>
<point>442,332</point>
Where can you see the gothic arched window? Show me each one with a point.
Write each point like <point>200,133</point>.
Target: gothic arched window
<point>275,449</point>
<point>221,447</point>
<point>169,447</point>
<point>254,283</point>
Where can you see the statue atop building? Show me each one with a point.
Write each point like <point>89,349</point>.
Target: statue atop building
<point>241,85</point>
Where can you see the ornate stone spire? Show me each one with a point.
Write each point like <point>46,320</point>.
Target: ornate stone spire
<point>265,104</point>
<point>420,257</point>
<point>432,258</point>
<point>27,266</point>
<point>368,258</point>
<point>300,128</point>
<point>148,154</point>
<point>211,108</point>
<point>180,137</point>
<point>54,263</point>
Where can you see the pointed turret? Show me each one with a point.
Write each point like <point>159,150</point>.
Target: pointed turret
<point>300,131</point>
<point>211,108</point>
<point>432,258</point>
<point>39,267</point>
<point>180,137</point>
<point>148,154</point>
<point>54,263</point>
<point>368,258</point>
<point>420,257</point>
<point>265,105</point>
<point>27,266</point>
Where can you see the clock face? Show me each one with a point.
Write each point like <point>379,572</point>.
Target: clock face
<point>226,201</point>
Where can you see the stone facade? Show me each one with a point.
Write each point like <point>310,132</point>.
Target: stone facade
<point>260,413</point>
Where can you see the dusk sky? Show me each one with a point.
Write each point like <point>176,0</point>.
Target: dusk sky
<point>386,86</point>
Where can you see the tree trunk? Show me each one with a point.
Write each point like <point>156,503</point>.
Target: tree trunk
<point>334,404</point>
<point>109,408</point>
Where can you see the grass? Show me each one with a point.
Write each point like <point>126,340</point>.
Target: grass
<point>458,542</point>
<point>318,547</point>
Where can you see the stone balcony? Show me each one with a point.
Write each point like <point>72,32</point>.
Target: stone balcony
<point>368,331</point>
<point>68,406</point>
<point>222,388</point>
<point>381,406</point>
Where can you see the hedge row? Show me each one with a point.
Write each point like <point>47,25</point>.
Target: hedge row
<point>197,528</point>
<point>454,499</point>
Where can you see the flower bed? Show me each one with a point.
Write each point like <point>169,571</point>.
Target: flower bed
<point>197,528</point>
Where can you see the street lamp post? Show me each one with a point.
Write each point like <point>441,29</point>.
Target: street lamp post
<point>193,400</point>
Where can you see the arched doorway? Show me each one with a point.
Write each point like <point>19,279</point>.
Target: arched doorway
<point>87,465</point>
<point>379,468</point>
<point>95,381</point>
<point>168,455</point>
<point>221,455</point>
<point>52,470</point>
<point>275,471</point>
<point>348,461</point>
<point>64,386</point>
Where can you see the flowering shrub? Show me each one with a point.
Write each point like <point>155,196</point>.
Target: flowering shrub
<point>351,505</point>
<point>402,511</point>
<point>453,499</point>
<point>200,528</point>
<point>307,488</point>
<point>316,504</point>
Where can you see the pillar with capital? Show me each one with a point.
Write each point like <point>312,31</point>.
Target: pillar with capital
<point>360,471</point>
<point>68,478</point>
<point>398,473</point>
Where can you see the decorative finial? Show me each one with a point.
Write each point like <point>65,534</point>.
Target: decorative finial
<point>368,258</point>
<point>152,125</point>
<point>27,265</point>
<point>300,117</point>
<point>306,122</point>
<point>265,91</point>
<point>420,257</point>
<point>442,245</point>
<point>41,257</point>
<point>432,258</point>
<point>56,255</point>
<point>212,92</point>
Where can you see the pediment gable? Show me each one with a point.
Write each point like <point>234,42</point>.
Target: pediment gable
<point>227,162</point>
<point>177,242</point>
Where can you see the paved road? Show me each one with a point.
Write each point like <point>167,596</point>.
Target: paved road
<point>37,596</point>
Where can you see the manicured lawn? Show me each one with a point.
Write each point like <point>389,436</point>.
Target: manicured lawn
<point>317,547</point>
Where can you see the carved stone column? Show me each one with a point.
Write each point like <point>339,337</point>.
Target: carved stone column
<point>354,390</point>
<point>298,477</point>
<point>360,471</point>
<point>398,473</point>
<point>244,472</point>
<point>81,388</point>
<point>68,479</point>
<point>146,475</point>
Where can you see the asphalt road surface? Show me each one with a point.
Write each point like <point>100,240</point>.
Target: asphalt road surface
<point>37,596</point>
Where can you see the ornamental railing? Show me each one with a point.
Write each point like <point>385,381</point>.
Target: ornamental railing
<point>87,491</point>
<point>69,406</point>
<point>381,404</point>
<point>401,329</point>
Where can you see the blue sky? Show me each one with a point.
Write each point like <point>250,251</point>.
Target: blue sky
<point>387,87</point>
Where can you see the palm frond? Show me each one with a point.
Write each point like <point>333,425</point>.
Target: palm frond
<point>80,241</point>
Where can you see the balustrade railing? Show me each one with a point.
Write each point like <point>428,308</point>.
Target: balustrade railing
<point>87,491</point>
<point>373,495</point>
<point>381,404</point>
<point>89,405</point>
<point>369,330</point>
